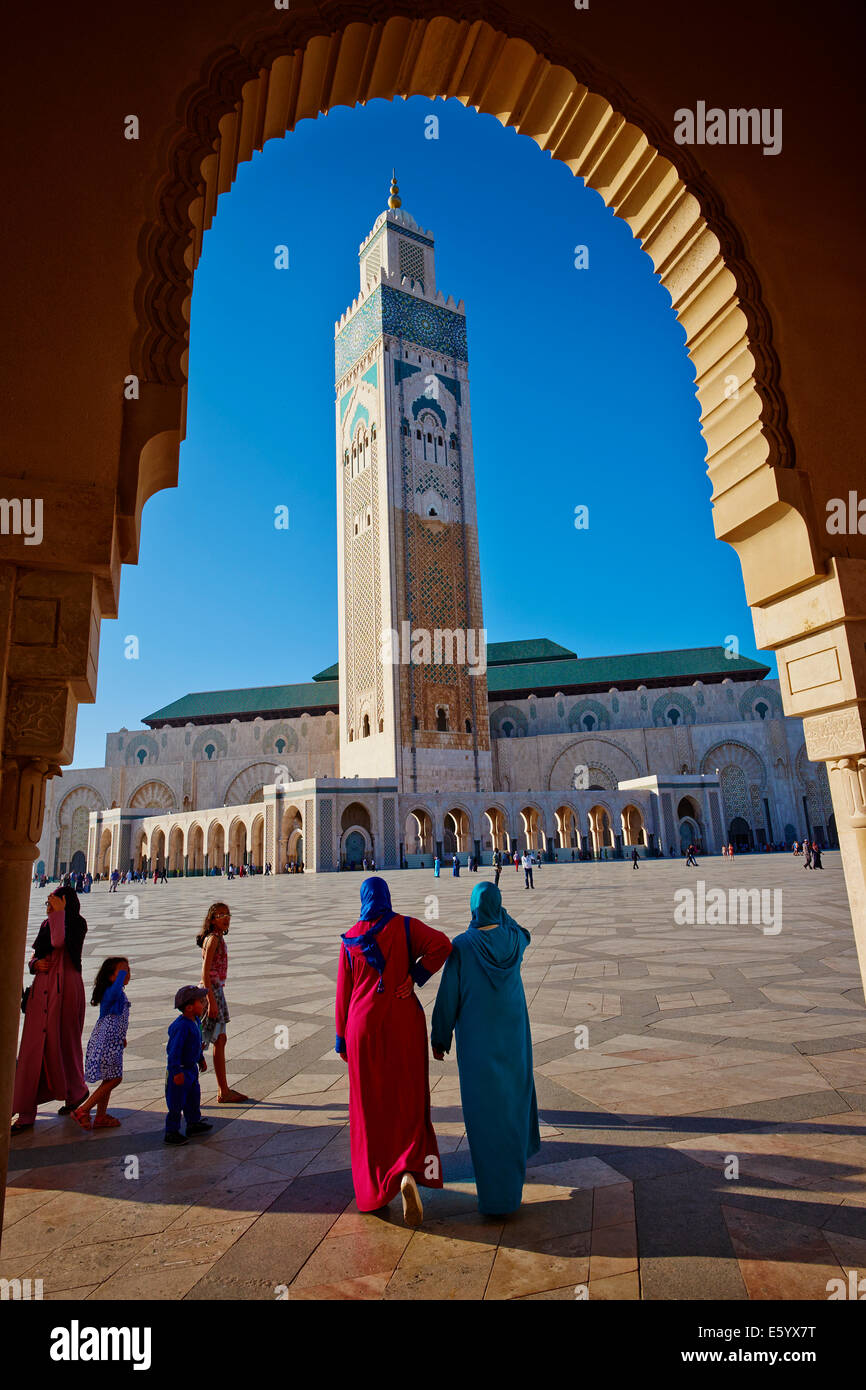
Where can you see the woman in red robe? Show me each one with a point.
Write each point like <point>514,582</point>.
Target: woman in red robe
<point>382,1034</point>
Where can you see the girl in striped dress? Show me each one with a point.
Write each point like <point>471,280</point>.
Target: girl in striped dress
<point>214,969</point>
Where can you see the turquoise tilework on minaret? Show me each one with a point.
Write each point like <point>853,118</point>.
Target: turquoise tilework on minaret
<point>372,375</point>
<point>403,369</point>
<point>402,315</point>
<point>344,403</point>
<point>428,403</point>
<point>361,413</point>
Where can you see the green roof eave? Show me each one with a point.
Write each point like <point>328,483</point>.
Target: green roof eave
<point>269,701</point>
<point>652,669</point>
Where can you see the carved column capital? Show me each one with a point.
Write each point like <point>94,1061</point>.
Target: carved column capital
<point>40,721</point>
<point>22,805</point>
<point>848,777</point>
<point>839,733</point>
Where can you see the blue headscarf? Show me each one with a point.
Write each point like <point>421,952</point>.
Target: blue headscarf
<point>377,910</point>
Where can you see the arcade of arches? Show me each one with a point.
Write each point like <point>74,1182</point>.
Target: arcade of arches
<point>595,89</point>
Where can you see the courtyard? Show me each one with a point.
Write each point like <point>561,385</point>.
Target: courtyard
<point>701,1089</point>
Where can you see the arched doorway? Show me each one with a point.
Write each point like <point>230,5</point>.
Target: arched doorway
<point>740,834</point>
<point>216,846</point>
<point>195,851</point>
<point>354,848</point>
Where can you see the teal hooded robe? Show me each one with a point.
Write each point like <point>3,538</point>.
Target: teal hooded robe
<point>481,999</point>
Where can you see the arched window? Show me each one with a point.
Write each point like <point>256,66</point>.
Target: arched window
<point>280,745</point>
<point>441,721</point>
<point>210,750</point>
<point>674,715</point>
<point>507,729</point>
<point>381,726</point>
<point>415,723</point>
<point>351,735</point>
<point>432,512</point>
<point>417,434</point>
<point>141,755</point>
<point>365,729</point>
<point>469,726</point>
<point>588,721</point>
<point>761,710</point>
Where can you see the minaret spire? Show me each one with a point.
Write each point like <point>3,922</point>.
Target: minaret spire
<point>395,201</point>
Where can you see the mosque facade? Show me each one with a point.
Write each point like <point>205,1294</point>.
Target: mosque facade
<point>423,738</point>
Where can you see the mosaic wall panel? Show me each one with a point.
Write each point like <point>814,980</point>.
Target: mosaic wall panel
<point>716,818</point>
<point>402,315</point>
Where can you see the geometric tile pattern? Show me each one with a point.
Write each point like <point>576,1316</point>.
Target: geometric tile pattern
<point>709,1141</point>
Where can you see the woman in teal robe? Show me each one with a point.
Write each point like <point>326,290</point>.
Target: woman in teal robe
<point>481,999</point>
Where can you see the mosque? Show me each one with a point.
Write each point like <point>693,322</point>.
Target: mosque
<point>422,738</point>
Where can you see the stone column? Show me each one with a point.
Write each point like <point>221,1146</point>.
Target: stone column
<point>819,634</point>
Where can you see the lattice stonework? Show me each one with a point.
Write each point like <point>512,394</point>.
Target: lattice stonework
<point>326,835</point>
<point>667,809</point>
<point>389,830</point>
<point>735,793</point>
<point>411,260</point>
<point>716,818</point>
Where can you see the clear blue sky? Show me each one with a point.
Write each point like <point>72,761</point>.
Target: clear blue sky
<point>581,391</point>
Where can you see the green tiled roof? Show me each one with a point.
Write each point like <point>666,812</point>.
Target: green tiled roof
<point>532,649</point>
<point>514,668</point>
<point>270,701</point>
<point>498,654</point>
<point>624,672</point>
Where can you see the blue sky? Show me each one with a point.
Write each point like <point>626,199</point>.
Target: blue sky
<point>581,393</point>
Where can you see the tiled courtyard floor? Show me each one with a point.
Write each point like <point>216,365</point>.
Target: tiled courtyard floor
<point>707,1044</point>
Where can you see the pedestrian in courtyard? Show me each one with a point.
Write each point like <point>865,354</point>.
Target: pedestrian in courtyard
<point>214,970</point>
<point>497,866</point>
<point>807,855</point>
<point>115,879</point>
<point>516,862</point>
<point>730,851</point>
<point>183,1053</point>
<point>381,1033</point>
<point>635,858</point>
<point>481,999</point>
<point>104,1058</point>
<point>816,855</point>
<point>527,870</point>
<point>50,1064</point>
<point>455,866</point>
<point>436,867</point>
<point>690,858</point>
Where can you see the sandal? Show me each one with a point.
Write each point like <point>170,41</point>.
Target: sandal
<point>82,1117</point>
<point>232,1098</point>
<point>106,1122</point>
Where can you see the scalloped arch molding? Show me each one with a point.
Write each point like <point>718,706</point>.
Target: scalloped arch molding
<point>260,90</point>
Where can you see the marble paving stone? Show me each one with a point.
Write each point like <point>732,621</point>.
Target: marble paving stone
<point>702,1042</point>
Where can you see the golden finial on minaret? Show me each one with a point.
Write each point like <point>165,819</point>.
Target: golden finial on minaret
<point>395,201</point>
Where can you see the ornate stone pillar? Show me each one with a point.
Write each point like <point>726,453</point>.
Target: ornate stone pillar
<point>38,733</point>
<point>819,634</point>
<point>841,733</point>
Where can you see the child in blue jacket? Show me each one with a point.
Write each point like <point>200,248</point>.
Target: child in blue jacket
<point>182,1089</point>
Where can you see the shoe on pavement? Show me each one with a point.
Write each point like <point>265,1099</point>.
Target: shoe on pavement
<point>199,1127</point>
<point>413,1211</point>
<point>176,1138</point>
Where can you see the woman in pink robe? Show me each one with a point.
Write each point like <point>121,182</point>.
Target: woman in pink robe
<point>382,1034</point>
<point>50,1063</point>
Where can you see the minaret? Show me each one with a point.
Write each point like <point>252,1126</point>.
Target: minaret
<point>413,693</point>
